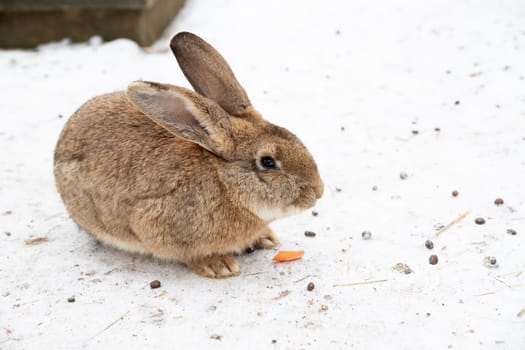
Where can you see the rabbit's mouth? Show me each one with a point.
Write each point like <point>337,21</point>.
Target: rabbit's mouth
<point>307,198</point>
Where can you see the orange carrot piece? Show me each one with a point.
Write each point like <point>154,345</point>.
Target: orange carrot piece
<point>288,255</point>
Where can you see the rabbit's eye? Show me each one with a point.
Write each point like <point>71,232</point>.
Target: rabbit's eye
<point>268,162</point>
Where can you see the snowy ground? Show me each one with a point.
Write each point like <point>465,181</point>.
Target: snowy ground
<point>389,73</point>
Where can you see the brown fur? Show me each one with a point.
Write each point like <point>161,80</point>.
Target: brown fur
<point>169,172</point>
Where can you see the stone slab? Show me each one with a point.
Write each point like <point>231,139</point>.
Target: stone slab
<point>28,23</point>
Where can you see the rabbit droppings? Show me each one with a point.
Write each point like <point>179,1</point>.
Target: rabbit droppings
<point>183,175</point>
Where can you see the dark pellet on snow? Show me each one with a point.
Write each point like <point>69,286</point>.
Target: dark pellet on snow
<point>309,233</point>
<point>154,284</point>
<point>314,213</point>
<point>338,189</point>
<point>71,299</point>
<point>498,201</point>
<point>437,129</point>
<point>479,221</point>
<point>274,341</point>
<point>433,259</point>
<point>455,193</point>
<point>429,244</point>
<point>249,250</point>
<point>511,231</point>
<point>490,261</point>
<point>366,235</point>
<point>457,103</point>
<point>415,132</point>
<point>310,286</point>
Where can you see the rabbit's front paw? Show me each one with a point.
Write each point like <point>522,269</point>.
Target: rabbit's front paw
<point>221,266</point>
<point>266,241</point>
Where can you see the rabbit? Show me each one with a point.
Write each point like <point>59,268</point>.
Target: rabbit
<point>189,176</point>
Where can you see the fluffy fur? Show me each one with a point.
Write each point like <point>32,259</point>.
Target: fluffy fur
<point>164,170</point>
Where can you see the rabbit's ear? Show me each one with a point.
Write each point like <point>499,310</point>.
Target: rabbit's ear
<point>184,114</point>
<point>208,73</point>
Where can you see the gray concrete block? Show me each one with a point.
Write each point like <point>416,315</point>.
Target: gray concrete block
<point>27,23</point>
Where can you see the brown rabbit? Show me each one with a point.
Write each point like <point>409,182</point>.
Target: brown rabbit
<point>191,176</point>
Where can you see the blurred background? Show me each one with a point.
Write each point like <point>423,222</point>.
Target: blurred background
<point>27,23</point>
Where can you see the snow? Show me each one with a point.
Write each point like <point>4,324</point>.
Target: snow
<point>378,69</point>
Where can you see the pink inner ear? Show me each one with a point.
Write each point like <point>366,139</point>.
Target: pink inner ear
<point>172,110</point>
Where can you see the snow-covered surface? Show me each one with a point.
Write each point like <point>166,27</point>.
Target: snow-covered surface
<point>380,69</point>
